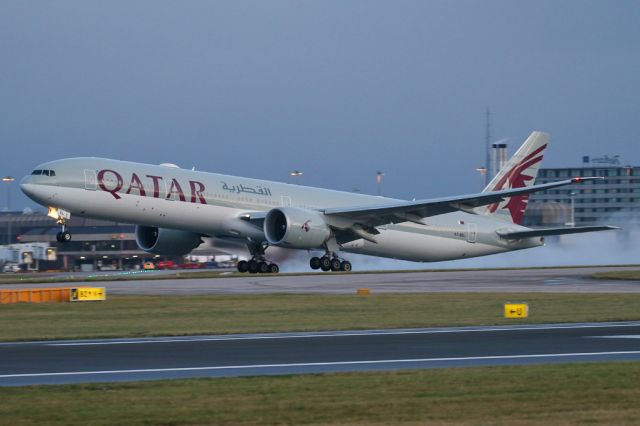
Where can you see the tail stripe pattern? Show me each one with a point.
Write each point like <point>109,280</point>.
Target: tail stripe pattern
<point>516,178</point>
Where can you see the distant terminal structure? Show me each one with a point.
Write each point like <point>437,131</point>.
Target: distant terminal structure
<point>615,200</point>
<point>97,245</point>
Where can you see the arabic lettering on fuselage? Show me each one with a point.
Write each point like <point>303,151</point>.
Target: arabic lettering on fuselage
<point>112,182</point>
<point>240,188</point>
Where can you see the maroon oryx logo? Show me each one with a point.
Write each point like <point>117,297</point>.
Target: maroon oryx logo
<point>517,178</point>
<point>306,226</point>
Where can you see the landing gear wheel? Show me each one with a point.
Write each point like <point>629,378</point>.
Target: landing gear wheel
<point>273,268</point>
<point>63,237</point>
<point>263,267</point>
<point>335,264</point>
<point>243,266</point>
<point>314,263</point>
<point>252,267</point>
<point>345,266</point>
<point>325,263</point>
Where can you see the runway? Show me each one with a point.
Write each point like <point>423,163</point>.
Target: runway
<point>82,361</point>
<point>556,280</point>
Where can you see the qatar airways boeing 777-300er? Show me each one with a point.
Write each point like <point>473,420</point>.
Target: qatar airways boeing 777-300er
<point>174,208</point>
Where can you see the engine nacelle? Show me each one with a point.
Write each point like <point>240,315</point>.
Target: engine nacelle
<point>295,228</point>
<point>169,242</point>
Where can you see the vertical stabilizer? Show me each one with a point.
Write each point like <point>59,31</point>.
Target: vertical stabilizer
<point>520,171</point>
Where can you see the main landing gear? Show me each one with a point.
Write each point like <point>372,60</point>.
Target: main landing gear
<point>258,263</point>
<point>330,263</point>
<point>258,266</point>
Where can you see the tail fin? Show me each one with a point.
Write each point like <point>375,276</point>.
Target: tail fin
<point>520,171</point>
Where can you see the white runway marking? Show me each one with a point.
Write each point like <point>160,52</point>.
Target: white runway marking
<point>322,364</point>
<point>335,334</point>
<point>622,336</point>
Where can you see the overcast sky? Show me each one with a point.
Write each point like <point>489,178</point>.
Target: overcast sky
<point>336,89</point>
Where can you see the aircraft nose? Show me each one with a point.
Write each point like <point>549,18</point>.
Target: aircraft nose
<point>27,186</point>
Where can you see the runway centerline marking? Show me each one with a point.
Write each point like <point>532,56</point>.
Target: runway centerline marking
<point>321,364</point>
<point>334,334</point>
<point>621,336</point>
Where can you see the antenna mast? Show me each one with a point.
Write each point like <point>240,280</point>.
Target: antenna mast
<point>487,141</point>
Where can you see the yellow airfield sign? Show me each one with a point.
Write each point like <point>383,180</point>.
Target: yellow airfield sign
<point>87,294</point>
<point>516,310</point>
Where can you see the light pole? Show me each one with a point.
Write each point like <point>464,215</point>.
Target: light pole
<point>379,175</point>
<point>483,172</point>
<point>573,209</point>
<point>296,175</point>
<point>8,180</point>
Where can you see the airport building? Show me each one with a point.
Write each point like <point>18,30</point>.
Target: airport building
<point>97,245</point>
<point>615,200</point>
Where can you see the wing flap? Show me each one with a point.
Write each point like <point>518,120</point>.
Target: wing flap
<point>516,235</point>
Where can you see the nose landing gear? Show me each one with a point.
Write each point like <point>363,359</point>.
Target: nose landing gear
<point>63,236</point>
<point>61,217</point>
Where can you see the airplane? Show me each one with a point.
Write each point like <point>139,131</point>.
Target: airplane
<point>174,208</point>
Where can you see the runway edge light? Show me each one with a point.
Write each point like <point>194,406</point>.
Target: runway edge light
<point>516,310</point>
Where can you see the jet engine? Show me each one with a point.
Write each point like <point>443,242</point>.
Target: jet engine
<point>169,242</point>
<point>295,228</point>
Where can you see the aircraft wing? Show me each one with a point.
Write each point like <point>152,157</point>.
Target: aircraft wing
<point>415,211</point>
<point>516,235</point>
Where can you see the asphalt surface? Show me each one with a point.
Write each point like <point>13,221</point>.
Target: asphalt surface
<point>561,280</point>
<point>81,361</point>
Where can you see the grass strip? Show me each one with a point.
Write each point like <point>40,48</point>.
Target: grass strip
<point>565,394</point>
<point>136,316</point>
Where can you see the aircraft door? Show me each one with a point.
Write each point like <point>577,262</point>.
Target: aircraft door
<point>90,180</point>
<point>285,201</point>
<point>472,232</point>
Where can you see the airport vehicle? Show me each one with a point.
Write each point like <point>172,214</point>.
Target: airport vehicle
<point>11,268</point>
<point>148,265</point>
<point>166,264</point>
<point>174,208</point>
<point>193,265</point>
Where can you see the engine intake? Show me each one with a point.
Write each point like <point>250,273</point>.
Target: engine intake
<point>169,242</point>
<point>295,228</point>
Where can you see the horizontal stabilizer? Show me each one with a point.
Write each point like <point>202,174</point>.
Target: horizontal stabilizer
<point>553,231</point>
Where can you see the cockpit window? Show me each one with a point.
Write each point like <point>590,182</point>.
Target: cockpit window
<point>44,172</point>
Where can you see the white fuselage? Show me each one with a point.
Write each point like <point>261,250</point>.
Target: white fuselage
<point>211,204</point>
